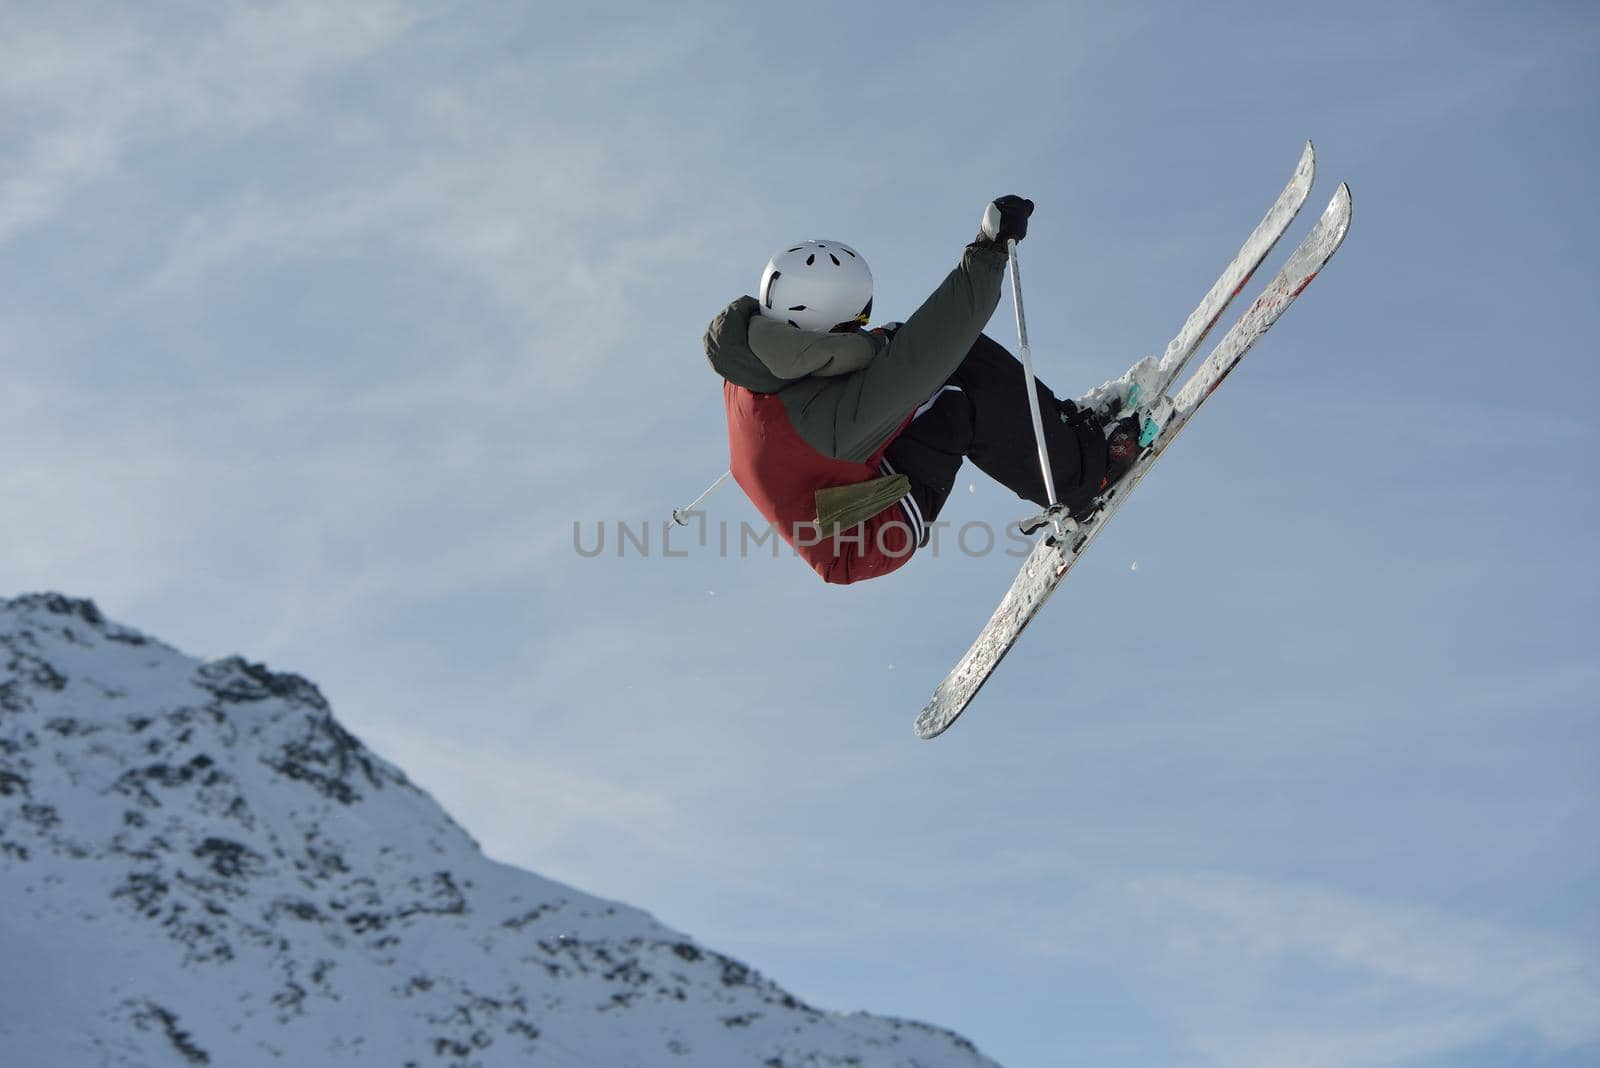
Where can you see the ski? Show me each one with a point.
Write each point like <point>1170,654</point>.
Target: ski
<point>1053,555</point>
<point>1256,248</point>
<point>1157,376</point>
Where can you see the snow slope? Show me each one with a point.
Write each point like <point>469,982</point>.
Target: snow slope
<point>198,865</point>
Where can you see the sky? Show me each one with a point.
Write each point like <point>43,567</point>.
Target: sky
<point>327,330</point>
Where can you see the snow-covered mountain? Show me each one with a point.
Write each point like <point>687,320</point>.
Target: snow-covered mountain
<point>198,866</point>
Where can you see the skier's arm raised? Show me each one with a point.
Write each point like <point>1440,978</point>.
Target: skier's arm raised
<point>928,347</point>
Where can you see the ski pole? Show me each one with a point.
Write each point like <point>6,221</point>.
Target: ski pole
<point>1033,389</point>
<point>678,514</point>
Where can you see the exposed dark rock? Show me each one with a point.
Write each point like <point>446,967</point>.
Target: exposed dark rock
<point>150,1014</point>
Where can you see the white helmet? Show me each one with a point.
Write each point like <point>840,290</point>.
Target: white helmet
<point>817,285</point>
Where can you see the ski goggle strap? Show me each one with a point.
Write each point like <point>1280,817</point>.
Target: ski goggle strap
<point>857,323</point>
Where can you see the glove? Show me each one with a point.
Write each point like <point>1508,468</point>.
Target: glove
<point>1004,219</point>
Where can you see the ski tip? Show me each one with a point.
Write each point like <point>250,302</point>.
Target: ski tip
<point>1305,171</point>
<point>1344,206</point>
<point>1339,207</point>
<point>934,720</point>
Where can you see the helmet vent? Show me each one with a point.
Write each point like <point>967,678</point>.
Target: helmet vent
<point>798,307</point>
<point>835,260</point>
<point>811,259</point>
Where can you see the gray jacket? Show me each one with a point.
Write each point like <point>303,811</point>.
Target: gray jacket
<point>847,394</point>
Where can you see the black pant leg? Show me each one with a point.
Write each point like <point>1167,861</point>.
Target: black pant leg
<point>930,451</point>
<point>1003,445</point>
<point>982,415</point>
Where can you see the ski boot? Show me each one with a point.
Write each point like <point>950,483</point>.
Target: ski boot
<point>1124,443</point>
<point>1123,438</point>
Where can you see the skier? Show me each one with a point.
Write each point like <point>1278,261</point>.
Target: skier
<point>848,441</point>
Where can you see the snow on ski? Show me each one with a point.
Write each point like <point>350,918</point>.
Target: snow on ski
<point>1256,248</point>
<point>1050,560</point>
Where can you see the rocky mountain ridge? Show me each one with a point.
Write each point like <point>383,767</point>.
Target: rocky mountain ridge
<point>199,865</point>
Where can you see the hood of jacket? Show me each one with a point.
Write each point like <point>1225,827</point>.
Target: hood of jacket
<point>763,355</point>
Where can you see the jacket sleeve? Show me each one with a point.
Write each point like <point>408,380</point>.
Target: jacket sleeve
<point>923,354</point>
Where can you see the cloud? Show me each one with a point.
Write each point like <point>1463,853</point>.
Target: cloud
<point>1349,981</point>
<point>541,800</point>
<point>477,250</point>
<point>86,82</point>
